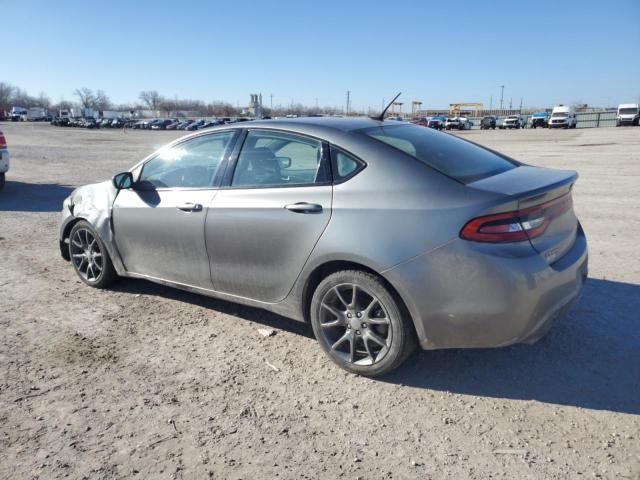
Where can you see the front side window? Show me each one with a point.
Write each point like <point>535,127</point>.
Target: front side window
<point>279,159</point>
<point>191,164</point>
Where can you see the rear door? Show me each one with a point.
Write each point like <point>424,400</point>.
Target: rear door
<point>262,227</point>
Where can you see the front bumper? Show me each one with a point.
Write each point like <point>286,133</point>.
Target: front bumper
<point>472,295</point>
<point>4,161</point>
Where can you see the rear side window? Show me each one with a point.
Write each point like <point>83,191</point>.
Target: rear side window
<point>455,158</point>
<point>344,165</point>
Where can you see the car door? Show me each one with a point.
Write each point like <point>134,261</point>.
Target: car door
<point>158,224</point>
<point>262,227</point>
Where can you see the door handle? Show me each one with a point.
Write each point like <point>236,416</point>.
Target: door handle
<point>190,207</point>
<point>304,207</point>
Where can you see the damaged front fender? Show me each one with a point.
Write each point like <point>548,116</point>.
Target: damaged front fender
<point>92,203</point>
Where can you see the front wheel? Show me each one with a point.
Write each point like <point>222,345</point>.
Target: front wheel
<point>2,180</point>
<point>89,256</point>
<point>360,325</point>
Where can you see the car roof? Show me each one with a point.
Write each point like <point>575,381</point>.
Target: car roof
<point>331,129</point>
<point>343,124</point>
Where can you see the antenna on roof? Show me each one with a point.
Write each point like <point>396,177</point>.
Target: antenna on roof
<point>381,116</point>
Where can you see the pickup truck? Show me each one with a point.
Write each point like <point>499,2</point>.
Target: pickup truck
<point>458,123</point>
<point>540,119</point>
<point>4,159</point>
<point>512,121</point>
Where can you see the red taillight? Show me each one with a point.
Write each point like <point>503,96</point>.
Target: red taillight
<point>517,225</point>
<point>3,142</point>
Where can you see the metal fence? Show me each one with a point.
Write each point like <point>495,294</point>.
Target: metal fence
<point>585,119</point>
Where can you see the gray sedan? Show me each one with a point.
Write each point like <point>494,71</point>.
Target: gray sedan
<point>382,235</point>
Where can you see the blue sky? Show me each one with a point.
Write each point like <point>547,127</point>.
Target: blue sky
<point>545,51</point>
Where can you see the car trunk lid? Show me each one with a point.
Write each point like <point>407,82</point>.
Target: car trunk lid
<point>545,207</point>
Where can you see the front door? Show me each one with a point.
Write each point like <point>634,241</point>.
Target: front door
<point>159,223</point>
<point>262,227</point>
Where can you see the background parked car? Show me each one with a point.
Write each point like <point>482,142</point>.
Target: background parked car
<point>512,121</point>
<point>563,117</point>
<point>628,114</point>
<point>437,122</point>
<point>4,159</point>
<point>458,123</point>
<point>195,125</point>
<point>540,119</point>
<point>488,122</point>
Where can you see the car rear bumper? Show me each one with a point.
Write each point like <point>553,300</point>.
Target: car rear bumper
<point>4,161</point>
<point>471,295</point>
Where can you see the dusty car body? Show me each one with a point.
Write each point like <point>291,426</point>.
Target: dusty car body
<point>481,252</point>
<point>4,160</point>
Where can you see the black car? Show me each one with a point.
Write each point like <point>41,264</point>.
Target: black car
<point>488,122</point>
<point>195,125</point>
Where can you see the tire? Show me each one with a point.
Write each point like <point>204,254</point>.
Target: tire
<point>371,335</point>
<point>2,180</point>
<point>89,256</point>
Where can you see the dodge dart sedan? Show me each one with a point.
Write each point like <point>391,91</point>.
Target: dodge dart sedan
<point>383,235</point>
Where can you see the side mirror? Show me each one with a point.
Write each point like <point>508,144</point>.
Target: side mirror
<point>123,180</point>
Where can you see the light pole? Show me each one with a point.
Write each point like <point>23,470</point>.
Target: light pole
<point>501,96</point>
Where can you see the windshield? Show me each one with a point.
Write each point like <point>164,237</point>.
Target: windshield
<point>455,158</point>
<point>559,114</point>
<point>539,115</point>
<point>628,111</point>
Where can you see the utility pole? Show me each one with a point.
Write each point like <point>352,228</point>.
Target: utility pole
<point>348,101</point>
<point>491,103</point>
<point>271,101</point>
<point>510,104</point>
<point>501,96</point>
<point>520,104</point>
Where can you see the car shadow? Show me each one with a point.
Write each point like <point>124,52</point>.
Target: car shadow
<point>33,197</point>
<point>589,359</point>
<point>143,287</point>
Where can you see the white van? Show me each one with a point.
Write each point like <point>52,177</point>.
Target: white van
<point>628,114</point>
<point>563,117</point>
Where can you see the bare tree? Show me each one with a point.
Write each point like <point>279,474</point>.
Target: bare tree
<point>86,97</point>
<point>151,99</point>
<point>44,100</point>
<point>101,101</point>
<point>167,106</point>
<point>6,94</point>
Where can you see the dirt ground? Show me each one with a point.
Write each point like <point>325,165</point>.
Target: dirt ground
<point>144,381</point>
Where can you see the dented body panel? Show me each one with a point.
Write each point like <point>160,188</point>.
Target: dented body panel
<point>396,217</point>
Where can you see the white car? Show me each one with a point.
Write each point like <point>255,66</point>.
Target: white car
<point>458,123</point>
<point>512,121</point>
<point>4,159</point>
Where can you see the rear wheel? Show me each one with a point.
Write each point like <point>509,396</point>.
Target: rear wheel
<point>360,325</point>
<point>2,180</point>
<point>89,256</point>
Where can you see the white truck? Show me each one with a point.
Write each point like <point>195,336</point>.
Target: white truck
<point>4,159</point>
<point>563,116</point>
<point>17,114</point>
<point>36,114</point>
<point>628,114</point>
<point>512,121</point>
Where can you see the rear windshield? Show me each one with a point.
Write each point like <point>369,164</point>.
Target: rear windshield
<point>456,158</point>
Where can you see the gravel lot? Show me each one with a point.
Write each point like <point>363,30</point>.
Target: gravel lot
<point>144,381</point>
